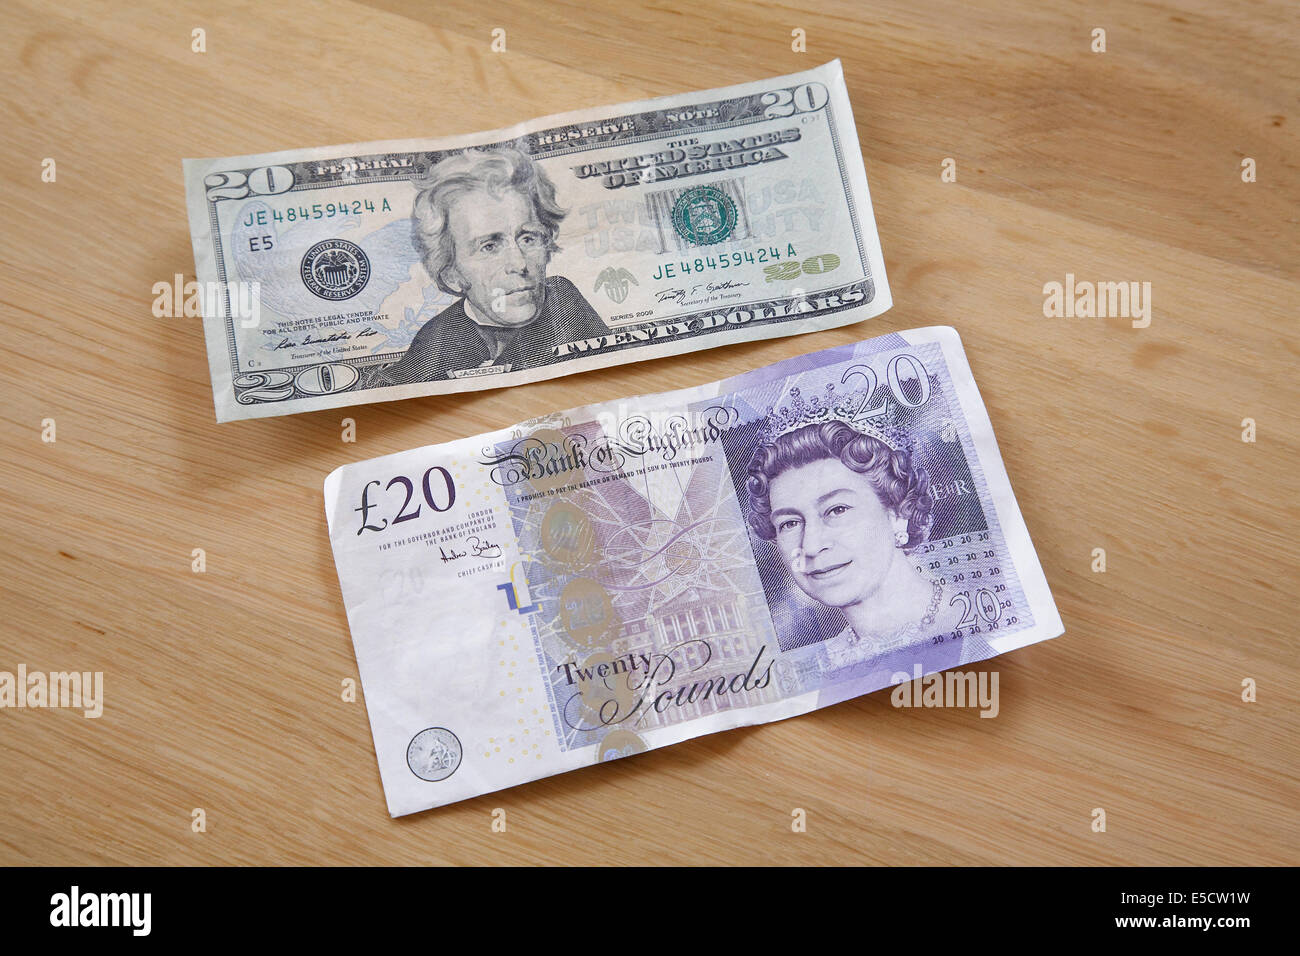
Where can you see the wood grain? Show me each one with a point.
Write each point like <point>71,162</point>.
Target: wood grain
<point>222,689</point>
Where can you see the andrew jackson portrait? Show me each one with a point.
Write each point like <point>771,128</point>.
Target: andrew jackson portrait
<point>484,223</point>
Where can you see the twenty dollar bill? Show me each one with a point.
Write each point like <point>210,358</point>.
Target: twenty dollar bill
<point>625,576</point>
<point>378,271</point>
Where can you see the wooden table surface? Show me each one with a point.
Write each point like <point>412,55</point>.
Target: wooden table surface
<point>222,689</point>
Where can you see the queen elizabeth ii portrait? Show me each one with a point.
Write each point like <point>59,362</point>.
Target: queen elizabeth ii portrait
<point>842,502</point>
<point>484,223</point>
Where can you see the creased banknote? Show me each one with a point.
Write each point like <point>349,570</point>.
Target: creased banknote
<point>623,576</point>
<point>378,271</point>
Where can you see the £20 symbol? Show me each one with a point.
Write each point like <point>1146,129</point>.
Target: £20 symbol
<point>439,495</point>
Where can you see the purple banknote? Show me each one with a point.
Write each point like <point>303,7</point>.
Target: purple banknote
<point>619,577</point>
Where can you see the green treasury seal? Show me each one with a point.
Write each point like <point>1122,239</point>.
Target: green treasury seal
<point>704,215</point>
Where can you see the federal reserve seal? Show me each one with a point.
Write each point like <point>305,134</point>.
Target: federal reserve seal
<point>704,215</point>
<point>335,269</point>
<point>433,754</point>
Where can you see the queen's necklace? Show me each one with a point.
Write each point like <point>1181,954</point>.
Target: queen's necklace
<point>907,630</point>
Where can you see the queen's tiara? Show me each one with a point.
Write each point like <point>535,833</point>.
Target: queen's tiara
<point>846,408</point>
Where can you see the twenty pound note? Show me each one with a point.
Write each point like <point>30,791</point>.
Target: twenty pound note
<point>624,576</point>
<point>378,271</point>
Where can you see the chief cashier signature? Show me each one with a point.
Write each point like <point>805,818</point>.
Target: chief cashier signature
<point>475,548</point>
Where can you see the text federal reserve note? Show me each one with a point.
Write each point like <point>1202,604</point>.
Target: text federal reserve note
<point>378,271</point>
<point>623,576</point>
